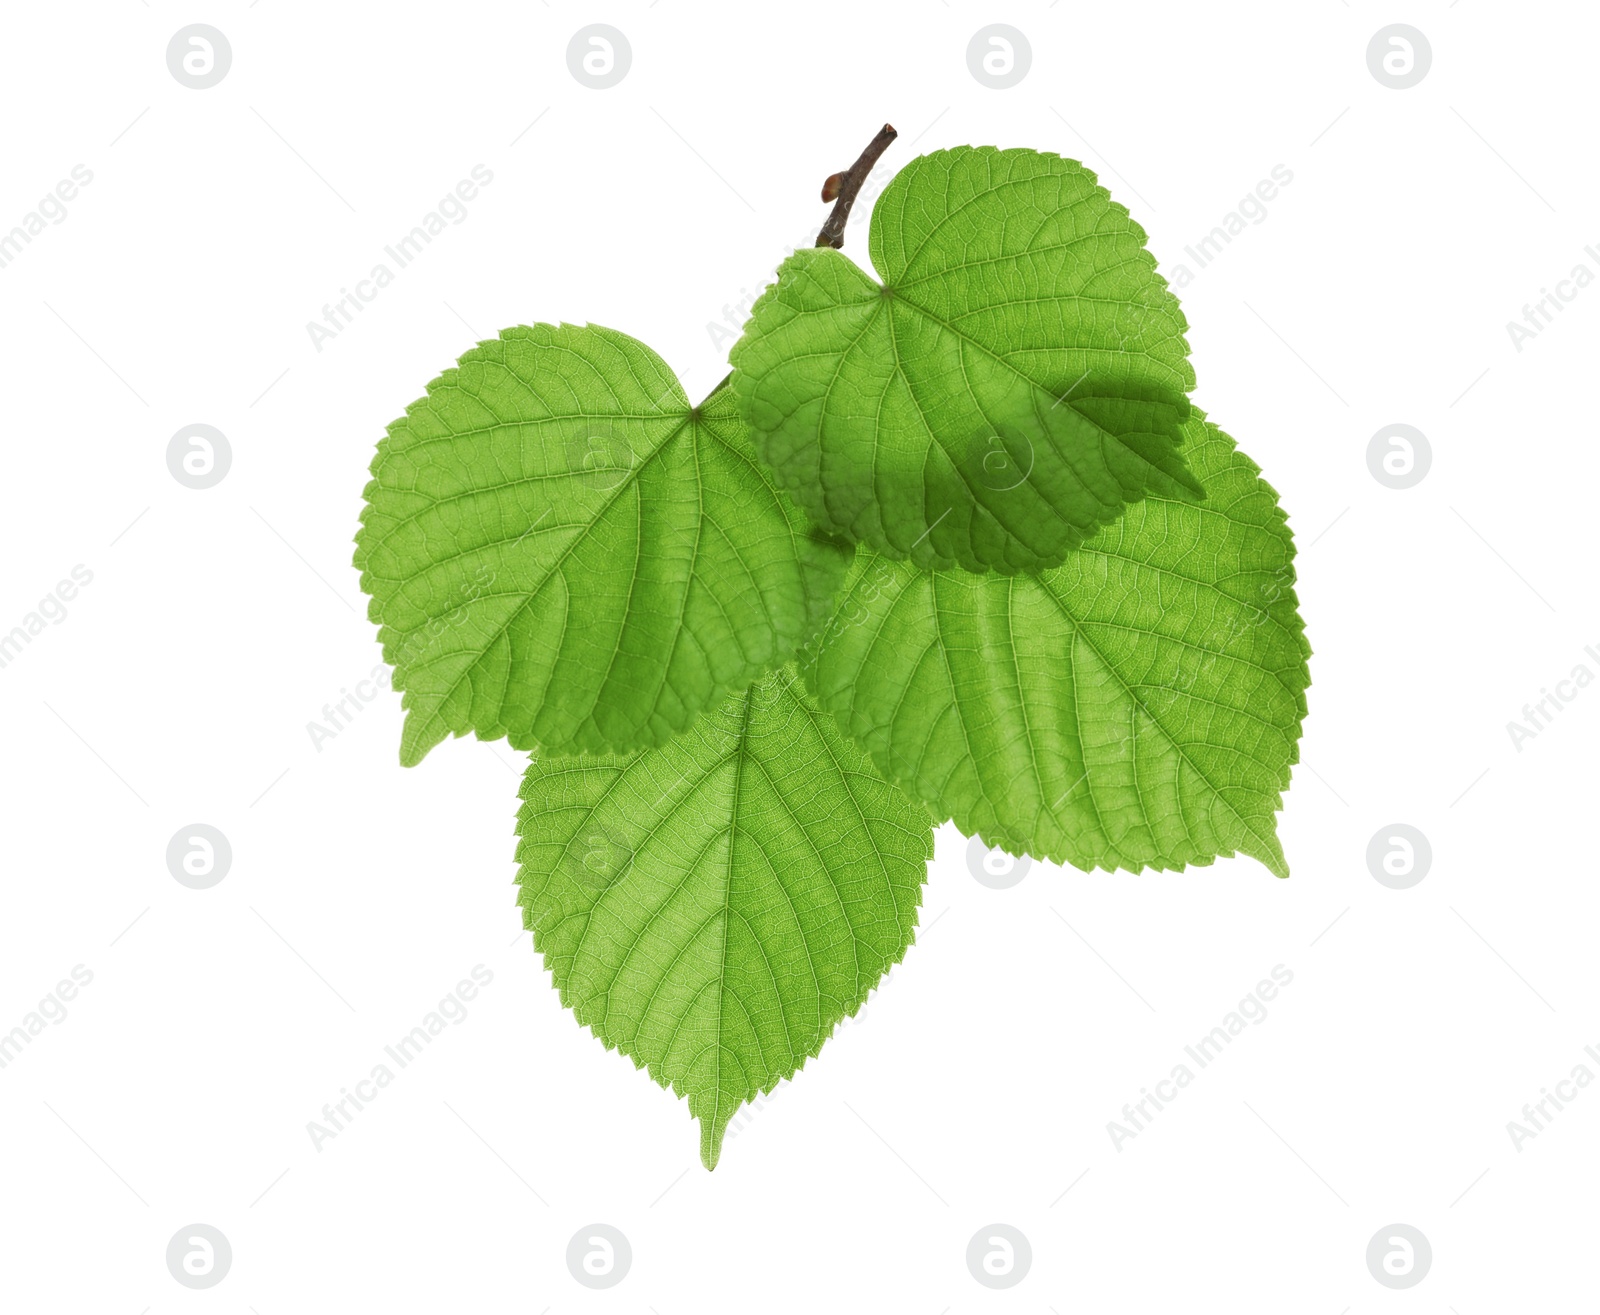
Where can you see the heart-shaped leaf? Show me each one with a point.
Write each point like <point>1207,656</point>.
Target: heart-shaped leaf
<point>564,552</point>
<point>1017,379</point>
<point>1138,706</point>
<point>712,908</point>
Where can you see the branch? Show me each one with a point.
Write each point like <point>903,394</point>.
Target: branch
<point>846,185</point>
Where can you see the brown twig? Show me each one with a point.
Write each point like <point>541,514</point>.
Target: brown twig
<point>845,186</point>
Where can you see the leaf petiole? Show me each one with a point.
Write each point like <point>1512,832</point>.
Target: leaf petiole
<point>847,185</point>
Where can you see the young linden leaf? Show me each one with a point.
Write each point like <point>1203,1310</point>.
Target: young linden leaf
<point>1016,380</point>
<point>1138,706</point>
<point>713,907</point>
<point>562,551</point>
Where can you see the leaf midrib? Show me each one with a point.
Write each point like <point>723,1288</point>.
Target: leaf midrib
<point>740,750</point>
<point>530,594</point>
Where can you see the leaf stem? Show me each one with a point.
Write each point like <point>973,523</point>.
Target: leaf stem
<point>845,186</point>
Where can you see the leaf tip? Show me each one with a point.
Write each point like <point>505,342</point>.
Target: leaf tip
<point>1270,857</point>
<point>415,742</point>
<point>711,1133</point>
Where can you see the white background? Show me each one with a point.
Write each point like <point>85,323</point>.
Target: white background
<point>979,1082</point>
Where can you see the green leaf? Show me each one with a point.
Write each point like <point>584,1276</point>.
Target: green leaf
<point>712,908</point>
<point>1017,379</point>
<point>562,551</point>
<point>1139,706</point>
